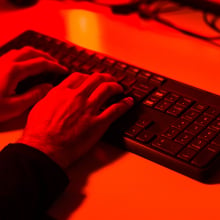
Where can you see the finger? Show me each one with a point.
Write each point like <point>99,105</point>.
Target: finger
<point>21,103</point>
<point>32,67</point>
<point>112,113</point>
<point>103,93</point>
<point>93,81</point>
<point>74,80</point>
<point>27,53</point>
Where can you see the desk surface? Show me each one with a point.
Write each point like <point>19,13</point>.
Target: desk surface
<point>109,183</point>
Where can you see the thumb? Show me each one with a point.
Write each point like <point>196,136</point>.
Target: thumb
<point>31,97</point>
<point>116,110</point>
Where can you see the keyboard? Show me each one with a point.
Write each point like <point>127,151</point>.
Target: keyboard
<point>171,123</point>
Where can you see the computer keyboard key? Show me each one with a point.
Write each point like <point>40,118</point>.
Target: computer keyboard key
<point>163,105</point>
<point>175,110</point>
<point>171,132</point>
<point>109,62</point>
<point>208,134</point>
<point>191,114</point>
<point>156,80</point>
<point>86,67</point>
<point>216,140</point>
<point>145,136</point>
<point>167,145</point>
<point>185,102</point>
<point>172,97</point>
<point>151,100</point>
<point>187,153</point>
<point>143,77</point>
<point>181,123</point>
<point>212,112</point>
<point>184,138</point>
<point>99,68</point>
<point>203,158</point>
<point>143,87</point>
<point>132,71</point>
<point>137,95</point>
<point>194,129</point>
<point>198,143</point>
<point>144,122</point>
<point>160,93</point>
<point>204,120</point>
<point>133,131</point>
<point>199,107</point>
<point>128,81</point>
<point>120,66</point>
<point>215,125</point>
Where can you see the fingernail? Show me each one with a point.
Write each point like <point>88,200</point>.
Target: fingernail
<point>129,100</point>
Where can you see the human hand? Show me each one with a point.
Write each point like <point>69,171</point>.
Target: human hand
<point>16,65</point>
<point>68,122</point>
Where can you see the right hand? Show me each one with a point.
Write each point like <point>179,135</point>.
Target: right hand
<point>67,122</point>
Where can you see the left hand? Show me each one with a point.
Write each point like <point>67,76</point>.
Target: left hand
<point>16,65</point>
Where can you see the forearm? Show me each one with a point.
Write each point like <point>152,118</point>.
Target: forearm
<point>30,182</point>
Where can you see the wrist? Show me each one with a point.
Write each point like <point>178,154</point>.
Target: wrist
<point>53,152</point>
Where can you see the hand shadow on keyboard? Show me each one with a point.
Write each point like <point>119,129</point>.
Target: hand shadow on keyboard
<point>15,123</point>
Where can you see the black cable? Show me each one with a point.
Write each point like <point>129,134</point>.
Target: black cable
<point>189,33</point>
<point>154,14</point>
<point>151,9</point>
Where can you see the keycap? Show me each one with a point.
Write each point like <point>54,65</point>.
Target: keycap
<point>144,122</point>
<point>181,123</point>
<point>157,80</point>
<point>133,131</point>
<point>216,140</point>
<point>191,114</point>
<point>199,107</point>
<point>207,134</point>
<point>194,129</point>
<point>204,157</point>
<point>145,136</point>
<point>184,138</point>
<point>204,120</point>
<point>171,132</point>
<point>163,105</point>
<point>185,102</point>
<point>167,145</point>
<point>187,154</point>
<point>198,143</point>
<point>172,97</point>
<point>175,110</point>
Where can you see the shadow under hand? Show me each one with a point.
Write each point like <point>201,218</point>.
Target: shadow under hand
<point>14,123</point>
<point>102,155</point>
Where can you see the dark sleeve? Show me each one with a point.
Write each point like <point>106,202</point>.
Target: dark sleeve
<point>29,182</point>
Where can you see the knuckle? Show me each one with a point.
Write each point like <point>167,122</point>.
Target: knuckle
<point>28,50</point>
